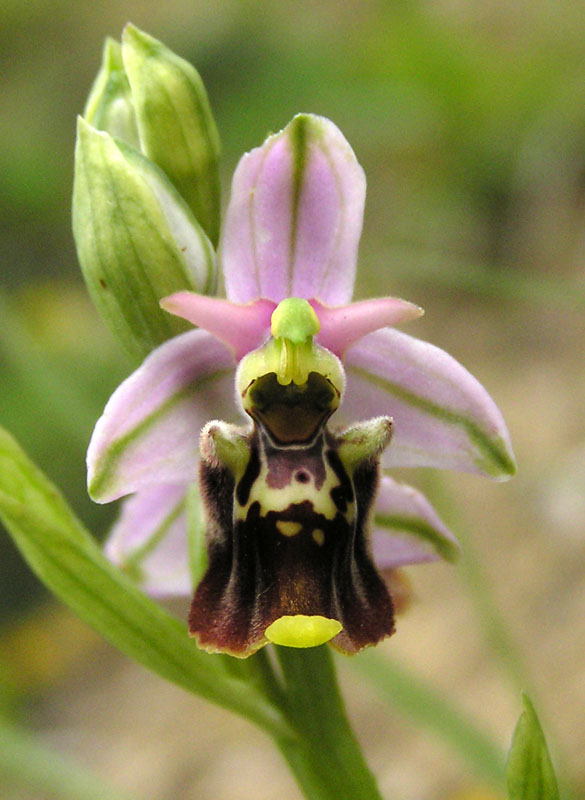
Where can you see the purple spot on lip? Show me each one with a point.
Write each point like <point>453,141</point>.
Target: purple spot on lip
<point>301,476</point>
<point>285,464</point>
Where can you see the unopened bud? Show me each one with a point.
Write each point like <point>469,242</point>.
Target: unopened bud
<point>176,127</point>
<point>137,240</point>
<point>109,106</point>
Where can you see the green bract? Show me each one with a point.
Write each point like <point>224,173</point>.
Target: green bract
<point>176,126</point>
<point>136,239</point>
<point>146,193</point>
<point>156,101</point>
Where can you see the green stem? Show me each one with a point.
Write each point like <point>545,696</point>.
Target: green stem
<point>266,677</point>
<point>325,758</point>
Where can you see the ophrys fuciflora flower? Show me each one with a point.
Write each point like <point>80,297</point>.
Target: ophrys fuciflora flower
<point>298,520</point>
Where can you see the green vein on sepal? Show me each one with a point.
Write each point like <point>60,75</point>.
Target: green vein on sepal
<point>67,559</point>
<point>298,140</point>
<point>497,461</point>
<point>104,471</point>
<point>132,563</point>
<point>422,530</point>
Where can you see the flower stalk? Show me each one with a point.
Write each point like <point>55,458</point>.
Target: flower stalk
<point>326,759</point>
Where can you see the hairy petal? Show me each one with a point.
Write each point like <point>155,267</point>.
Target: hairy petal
<point>342,326</point>
<point>295,215</point>
<point>407,529</point>
<point>443,416</point>
<point>242,327</point>
<point>149,432</point>
<point>149,540</point>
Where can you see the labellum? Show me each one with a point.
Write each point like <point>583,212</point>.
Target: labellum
<point>288,505</point>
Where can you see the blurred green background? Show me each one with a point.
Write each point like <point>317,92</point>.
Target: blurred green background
<point>469,120</point>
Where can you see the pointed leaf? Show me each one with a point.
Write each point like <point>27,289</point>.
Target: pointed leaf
<point>294,219</point>
<point>443,417</point>
<point>530,772</point>
<point>69,562</point>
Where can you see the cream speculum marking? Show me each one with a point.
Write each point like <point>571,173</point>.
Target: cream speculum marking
<point>288,504</point>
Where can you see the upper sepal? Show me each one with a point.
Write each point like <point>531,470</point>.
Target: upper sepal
<point>294,219</point>
<point>136,239</point>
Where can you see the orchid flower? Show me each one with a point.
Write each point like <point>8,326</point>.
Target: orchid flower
<point>301,517</point>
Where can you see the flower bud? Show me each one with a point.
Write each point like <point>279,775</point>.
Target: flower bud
<point>109,106</point>
<point>137,240</point>
<point>176,127</point>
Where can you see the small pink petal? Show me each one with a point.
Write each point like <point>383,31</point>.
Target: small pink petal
<point>149,432</point>
<point>407,529</point>
<point>241,327</point>
<point>150,539</point>
<point>443,417</point>
<point>294,219</point>
<point>342,326</point>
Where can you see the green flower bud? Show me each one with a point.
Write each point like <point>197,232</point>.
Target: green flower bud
<point>175,123</point>
<point>109,106</point>
<point>137,240</point>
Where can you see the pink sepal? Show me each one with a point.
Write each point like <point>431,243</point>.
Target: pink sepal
<point>413,532</point>
<point>159,512</point>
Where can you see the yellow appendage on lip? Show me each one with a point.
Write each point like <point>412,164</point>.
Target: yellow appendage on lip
<point>301,630</point>
<point>288,528</point>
